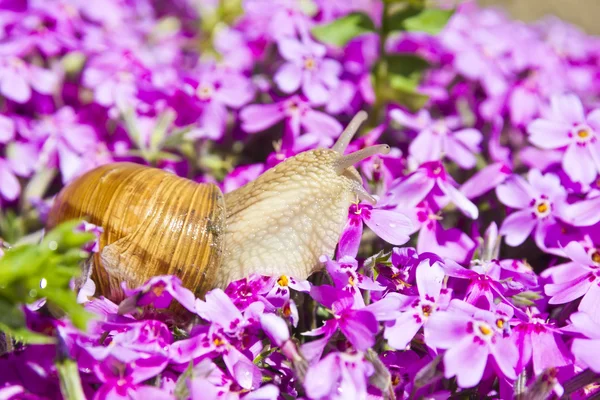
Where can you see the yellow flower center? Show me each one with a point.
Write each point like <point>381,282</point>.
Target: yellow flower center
<point>351,280</point>
<point>542,207</point>
<point>500,323</point>
<point>485,330</point>
<point>218,342</point>
<point>205,92</point>
<point>596,257</point>
<point>309,63</point>
<point>583,133</point>
<point>283,281</point>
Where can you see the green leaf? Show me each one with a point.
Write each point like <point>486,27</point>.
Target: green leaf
<point>430,20</point>
<point>342,30</point>
<point>404,72</point>
<point>26,336</point>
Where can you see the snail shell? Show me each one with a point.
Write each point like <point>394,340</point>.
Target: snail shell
<point>155,223</point>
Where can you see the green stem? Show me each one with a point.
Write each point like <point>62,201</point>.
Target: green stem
<point>70,382</point>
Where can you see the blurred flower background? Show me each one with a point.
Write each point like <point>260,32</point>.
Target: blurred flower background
<point>494,126</point>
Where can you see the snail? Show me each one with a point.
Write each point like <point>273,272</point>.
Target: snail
<point>157,223</point>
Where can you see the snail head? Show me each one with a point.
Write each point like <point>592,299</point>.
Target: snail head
<point>291,215</point>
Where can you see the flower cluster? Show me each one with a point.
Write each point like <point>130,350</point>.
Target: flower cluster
<point>476,272</point>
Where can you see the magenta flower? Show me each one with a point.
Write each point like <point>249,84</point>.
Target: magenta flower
<point>439,138</point>
<point>346,277</point>
<point>538,202</point>
<point>470,341</point>
<point>392,226</point>
<point>113,76</point>
<point>295,111</point>
<point>65,142</point>
<point>485,180</point>
<point>568,127</point>
<point>450,243</point>
<point>431,299</point>
<point>585,350</point>
<point>10,188</point>
<point>279,295</point>
<point>17,79</point>
<point>484,281</point>
<point>577,279</point>
<point>539,341</point>
<point>429,178</point>
<point>339,376</point>
<point>216,89</point>
<point>308,68</point>
<point>358,326</point>
<point>159,291</point>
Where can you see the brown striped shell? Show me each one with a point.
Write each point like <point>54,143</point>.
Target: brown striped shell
<point>155,223</point>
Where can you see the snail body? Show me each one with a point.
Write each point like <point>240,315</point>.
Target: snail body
<point>156,223</point>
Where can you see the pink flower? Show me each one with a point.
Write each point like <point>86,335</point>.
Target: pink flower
<point>431,299</point>
<point>159,291</point>
<point>297,114</point>
<point>359,326</point>
<point>308,68</point>
<point>539,341</point>
<point>439,138</point>
<point>586,350</point>
<point>339,376</point>
<point>538,202</point>
<point>470,339</point>
<point>430,178</point>
<point>65,142</point>
<point>567,127</point>
<point>345,276</point>
<point>577,279</point>
<point>17,79</point>
<point>392,226</point>
<point>216,89</point>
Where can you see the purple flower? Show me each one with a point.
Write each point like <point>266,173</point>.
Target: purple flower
<point>308,68</point>
<point>279,295</point>
<point>577,279</point>
<point>439,138</point>
<point>431,299</point>
<point>113,76</point>
<point>10,188</point>
<point>62,137</point>
<point>568,127</point>
<point>17,79</point>
<point>484,281</point>
<point>538,340</point>
<point>358,326</point>
<point>429,178</point>
<point>470,340</point>
<point>339,376</point>
<point>159,291</point>
<point>216,89</point>
<point>392,226</point>
<point>247,291</point>
<point>586,350</point>
<point>346,277</point>
<point>295,111</point>
<point>538,202</point>
<point>485,180</point>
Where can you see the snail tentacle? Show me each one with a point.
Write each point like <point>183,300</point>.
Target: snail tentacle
<point>351,159</point>
<point>348,133</point>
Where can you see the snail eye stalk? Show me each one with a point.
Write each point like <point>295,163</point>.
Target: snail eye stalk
<point>348,133</point>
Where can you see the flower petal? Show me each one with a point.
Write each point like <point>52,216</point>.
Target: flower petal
<point>391,226</point>
<point>517,227</point>
<point>288,77</point>
<point>466,360</point>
